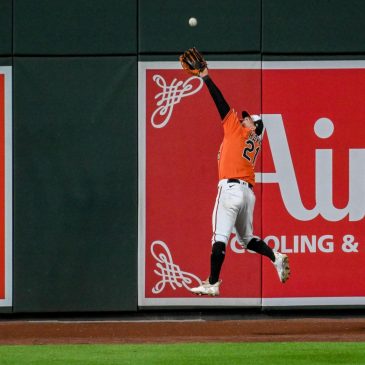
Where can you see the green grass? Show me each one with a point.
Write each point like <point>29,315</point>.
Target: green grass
<point>297,353</point>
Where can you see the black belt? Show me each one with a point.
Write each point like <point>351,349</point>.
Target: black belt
<point>236,181</point>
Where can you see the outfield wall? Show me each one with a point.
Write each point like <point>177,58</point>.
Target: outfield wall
<point>74,227</point>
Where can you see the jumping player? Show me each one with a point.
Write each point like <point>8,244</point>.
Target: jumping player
<point>235,199</point>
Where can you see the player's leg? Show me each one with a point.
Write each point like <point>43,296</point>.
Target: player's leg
<point>244,221</point>
<point>224,215</point>
<point>211,285</point>
<point>244,229</point>
<point>259,246</point>
<point>227,207</point>
<point>216,261</point>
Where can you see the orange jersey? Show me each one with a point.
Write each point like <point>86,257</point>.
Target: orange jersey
<point>238,151</point>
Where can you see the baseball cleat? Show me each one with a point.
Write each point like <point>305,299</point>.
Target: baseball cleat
<point>207,289</point>
<point>282,266</point>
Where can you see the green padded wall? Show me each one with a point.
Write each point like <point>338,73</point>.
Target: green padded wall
<point>60,27</point>
<point>313,26</point>
<point>75,184</point>
<point>6,61</point>
<point>223,26</point>
<point>75,122</point>
<point>6,14</point>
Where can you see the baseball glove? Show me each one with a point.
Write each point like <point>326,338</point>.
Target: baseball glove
<point>193,62</point>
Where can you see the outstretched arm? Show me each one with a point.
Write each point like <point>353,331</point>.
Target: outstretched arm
<point>220,102</point>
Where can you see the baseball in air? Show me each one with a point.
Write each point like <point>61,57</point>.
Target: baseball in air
<point>193,22</point>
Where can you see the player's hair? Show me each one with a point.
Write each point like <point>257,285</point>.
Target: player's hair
<point>259,127</point>
<point>245,114</point>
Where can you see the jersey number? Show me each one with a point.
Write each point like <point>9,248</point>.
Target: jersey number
<point>249,149</point>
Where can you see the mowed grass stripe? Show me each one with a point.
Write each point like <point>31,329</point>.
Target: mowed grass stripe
<point>298,353</point>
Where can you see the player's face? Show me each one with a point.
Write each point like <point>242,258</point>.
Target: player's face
<point>247,122</point>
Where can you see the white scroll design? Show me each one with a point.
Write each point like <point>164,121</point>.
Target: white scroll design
<point>170,96</point>
<point>169,272</point>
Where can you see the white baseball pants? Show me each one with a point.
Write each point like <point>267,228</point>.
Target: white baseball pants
<point>233,208</point>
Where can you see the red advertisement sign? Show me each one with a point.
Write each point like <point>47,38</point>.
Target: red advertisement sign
<point>5,187</point>
<point>309,196</point>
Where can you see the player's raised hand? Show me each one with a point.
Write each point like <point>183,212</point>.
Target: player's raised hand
<point>193,62</point>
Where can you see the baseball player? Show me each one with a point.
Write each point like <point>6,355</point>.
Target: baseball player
<point>236,168</point>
